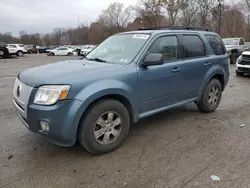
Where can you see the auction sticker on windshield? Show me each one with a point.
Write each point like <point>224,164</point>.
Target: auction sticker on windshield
<point>141,36</point>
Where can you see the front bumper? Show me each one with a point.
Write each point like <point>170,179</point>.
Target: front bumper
<point>243,68</point>
<point>63,118</point>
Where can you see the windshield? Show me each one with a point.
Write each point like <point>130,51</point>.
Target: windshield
<point>120,49</point>
<point>230,41</point>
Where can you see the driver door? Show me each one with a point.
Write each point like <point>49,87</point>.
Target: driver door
<point>160,85</point>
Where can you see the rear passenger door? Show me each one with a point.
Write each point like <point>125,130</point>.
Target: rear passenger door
<point>12,48</point>
<point>195,64</point>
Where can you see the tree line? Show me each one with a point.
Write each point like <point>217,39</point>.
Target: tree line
<point>229,19</point>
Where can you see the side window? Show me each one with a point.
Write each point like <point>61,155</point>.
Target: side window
<point>13,46</point>
<point>167,46</point>
<point>192,46</point>
<point>241,42</point>
<point>216,44</point>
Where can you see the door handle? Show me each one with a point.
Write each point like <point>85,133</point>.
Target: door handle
<point>207,64</point>
<point>176,69</point>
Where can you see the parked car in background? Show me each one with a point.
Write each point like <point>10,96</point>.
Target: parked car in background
<point>87,49</point>
<point>61,51</point>
<point>96,99</point>
<point>17,49</point>
<point>235,47</point>
<point>243,63</point>
<point>4,52</point>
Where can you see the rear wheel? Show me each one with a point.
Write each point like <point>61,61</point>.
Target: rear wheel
<point>104,127</point>
<point>20,53</point>
<point>211,97</point>
<point>70,54</point>
<point>52,53</point>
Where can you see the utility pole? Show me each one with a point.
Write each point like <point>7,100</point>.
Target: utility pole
<point>78,21</point>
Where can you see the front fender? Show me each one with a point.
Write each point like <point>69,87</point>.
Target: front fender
<point>103,88</point>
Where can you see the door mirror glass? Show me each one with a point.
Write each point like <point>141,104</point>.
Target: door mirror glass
<point>153,59</point>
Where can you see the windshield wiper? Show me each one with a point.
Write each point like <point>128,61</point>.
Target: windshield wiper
<point>97,59</point>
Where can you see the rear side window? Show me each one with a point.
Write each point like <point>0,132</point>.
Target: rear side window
<point>241,42</point>
<point>217,44</point>
<point>192,46</point>
<point>21,45</point>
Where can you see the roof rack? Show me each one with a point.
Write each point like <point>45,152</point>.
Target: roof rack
<point>175,28</point>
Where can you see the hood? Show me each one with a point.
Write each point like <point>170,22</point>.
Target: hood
<point>229,46</point>
<point>65,72</point>
<point>246,53</point>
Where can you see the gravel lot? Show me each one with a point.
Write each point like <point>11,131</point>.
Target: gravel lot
<point>176,149</point>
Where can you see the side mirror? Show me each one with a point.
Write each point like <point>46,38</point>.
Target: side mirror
<point>153,59</point>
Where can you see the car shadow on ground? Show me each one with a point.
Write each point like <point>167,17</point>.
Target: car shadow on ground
<point>9,57</point>
<point>153,123</point>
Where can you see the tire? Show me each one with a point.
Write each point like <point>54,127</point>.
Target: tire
<point>52,54</point>
<point>1,53</point>
<point>89,126</point>
<point>204,104</point>
<point>19,53</point>
<point>239,73</point>
<point>233,58</point>
<point>69,54</point>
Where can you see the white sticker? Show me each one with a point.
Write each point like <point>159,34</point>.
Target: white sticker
<point>141,36</point>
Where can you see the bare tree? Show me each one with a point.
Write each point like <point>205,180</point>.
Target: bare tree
<point>149,13</point>
<point>189,10</point>
<point>173,8</point>
<point>248,3</point>
<point>115,18</point>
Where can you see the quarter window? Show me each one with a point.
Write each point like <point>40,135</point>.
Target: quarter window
<point>216,44</point>
<point>192,46</point>
<point>167,46</point>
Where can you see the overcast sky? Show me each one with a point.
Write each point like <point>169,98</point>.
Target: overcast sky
<point>45,15</point>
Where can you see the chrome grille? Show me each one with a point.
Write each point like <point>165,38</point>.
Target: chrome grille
<point>245,60</point>
<point>246,57</point>
<point>21,94</point>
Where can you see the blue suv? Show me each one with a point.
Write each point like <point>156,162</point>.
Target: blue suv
<point>128,77</point>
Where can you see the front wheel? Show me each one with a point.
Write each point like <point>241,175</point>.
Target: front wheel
<point>233,58</point>
<point>1,53</point>
<point>104,127</point>
<point>70,54</point>
<point>211,97</point>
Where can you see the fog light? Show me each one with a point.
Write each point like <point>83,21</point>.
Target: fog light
<point>44,126</point>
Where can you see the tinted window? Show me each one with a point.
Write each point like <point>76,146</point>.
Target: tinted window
<point>241,42</point>
<point>192,46</point>
<point>167,46</point>
<point>12,46</point>
<point>216,44</point>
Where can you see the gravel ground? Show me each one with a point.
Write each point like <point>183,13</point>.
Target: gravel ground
<point>176,149</point>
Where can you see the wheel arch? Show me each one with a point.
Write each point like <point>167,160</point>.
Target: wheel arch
<point>214,73</point>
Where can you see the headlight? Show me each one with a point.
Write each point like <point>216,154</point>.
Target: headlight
<point>50,94</point>
<point>239,59</point>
